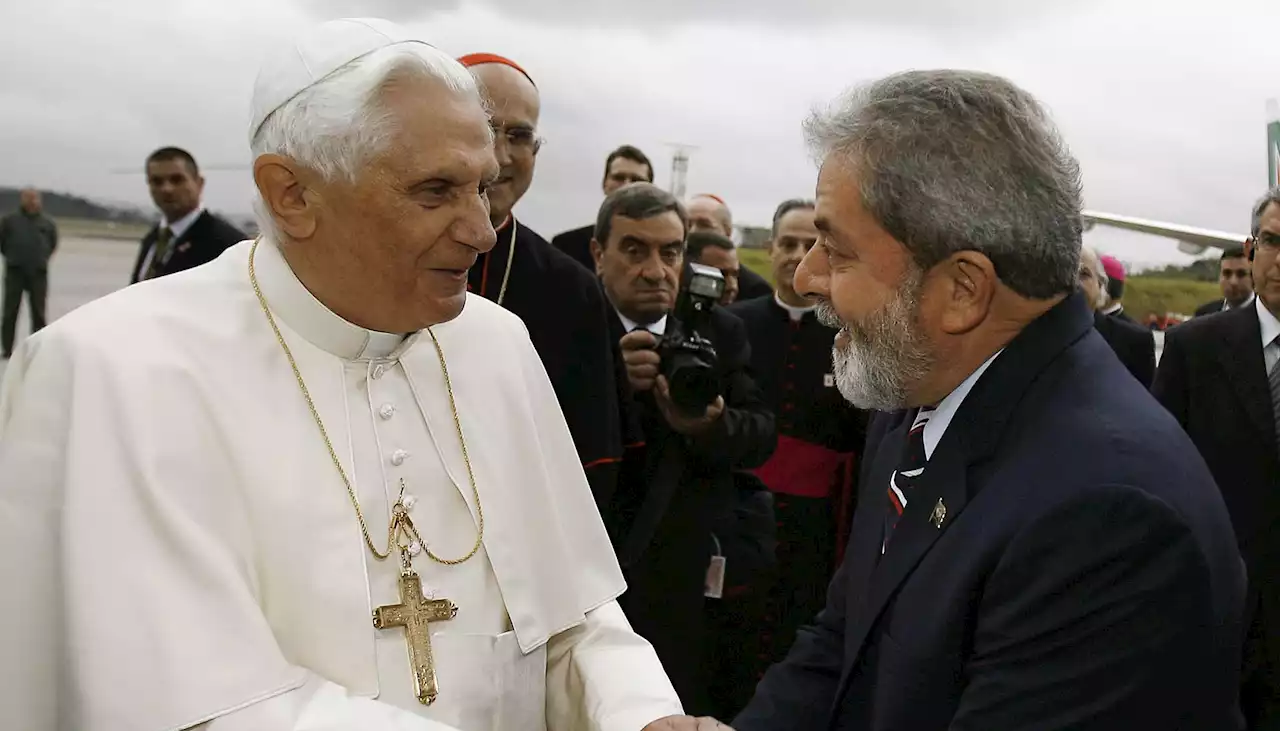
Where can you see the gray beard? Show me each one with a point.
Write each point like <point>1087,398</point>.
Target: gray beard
<point>883,355</point>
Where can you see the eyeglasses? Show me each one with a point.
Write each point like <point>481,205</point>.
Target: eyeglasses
<point>519,139</point>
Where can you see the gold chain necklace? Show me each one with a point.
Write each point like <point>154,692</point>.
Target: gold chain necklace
<point>400,522</point>
<point>511,255</point>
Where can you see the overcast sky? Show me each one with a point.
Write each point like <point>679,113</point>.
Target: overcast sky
<point>1165,108</point>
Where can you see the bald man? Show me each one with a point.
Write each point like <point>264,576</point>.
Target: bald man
<point>710,213</point>
<point>560,302</point>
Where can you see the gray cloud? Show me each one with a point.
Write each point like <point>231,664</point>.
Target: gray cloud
<point>1164,110</point>
<point>935,15</point>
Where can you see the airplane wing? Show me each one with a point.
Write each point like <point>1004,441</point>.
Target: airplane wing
<point>1191,240</point>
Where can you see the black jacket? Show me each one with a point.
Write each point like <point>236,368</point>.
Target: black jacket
<point>27,240</point>
<point>564,310</point>
<point>1213,379</point>
<point>1064,562</point>
<point>672,493</point>
<point>577,244</point>
<point>202,242</point>
<point>1134,345</point>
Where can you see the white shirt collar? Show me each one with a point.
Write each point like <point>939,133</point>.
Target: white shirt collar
<point>180,226</point>
<point>796,313</point>
<point>294,305</point>
<point>1112,308</point>
<point>1267,322</point>
<point>1227,305</point>
<point>658,327</point>
<point>948,407</point>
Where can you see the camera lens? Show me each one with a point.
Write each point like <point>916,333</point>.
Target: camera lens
<point>693,384</point>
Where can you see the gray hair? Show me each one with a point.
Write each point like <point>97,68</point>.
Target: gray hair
<point>338,125</point>
<point>637,201</point>
<point>787,206</point>
<point>961,160</point>
<point>1272,197</point>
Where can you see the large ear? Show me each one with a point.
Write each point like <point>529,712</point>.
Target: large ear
<point>597,254</point>
<point>1250,248</point>
<point>280,183</point>
<point>969,283</point>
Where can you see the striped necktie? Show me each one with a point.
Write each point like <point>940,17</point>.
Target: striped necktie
<point>907,474</point>
<point>163,238</point>
<point>1273,380</point>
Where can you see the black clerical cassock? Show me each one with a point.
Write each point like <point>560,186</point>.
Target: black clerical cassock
<point>811,472</point>
<point>563,307</point>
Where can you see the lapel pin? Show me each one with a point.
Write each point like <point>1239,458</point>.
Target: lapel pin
<point>939,514</point>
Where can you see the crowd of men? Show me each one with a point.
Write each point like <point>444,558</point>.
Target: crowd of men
<point>1097,579</point>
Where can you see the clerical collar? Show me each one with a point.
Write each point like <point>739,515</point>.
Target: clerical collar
<point>796,313</point>
<point>658,327</point>
<point>294,305</point>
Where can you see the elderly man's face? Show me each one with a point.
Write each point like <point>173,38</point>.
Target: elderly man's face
<point>640,265</point>
<point>866,284</point>
<point>708,214</point>
<point>1266,258</point>
<point>1091,278</point>
<point>415,220</point>
<point>515,121</point>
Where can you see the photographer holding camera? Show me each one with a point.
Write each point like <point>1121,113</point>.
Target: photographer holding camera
<point>697,415</point>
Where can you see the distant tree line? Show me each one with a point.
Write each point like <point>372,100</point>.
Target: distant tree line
<point>1201,270</point>
<point>65,205</point>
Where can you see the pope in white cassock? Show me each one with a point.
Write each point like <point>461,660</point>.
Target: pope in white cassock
<point>314,484</point>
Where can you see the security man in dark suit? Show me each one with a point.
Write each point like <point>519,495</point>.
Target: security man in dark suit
<point>1133,344</point>
<point>1220,377</point>
<point>187,235</point>
<point>1235,276</point>
<point>623,166</point>
<point>1037,544</point>
<point>677,487</point>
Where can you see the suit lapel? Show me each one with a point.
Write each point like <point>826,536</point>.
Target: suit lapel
<point>1241,355</point>
<point>942,491</point>
<point>868,522</point>
<point>932,506</point>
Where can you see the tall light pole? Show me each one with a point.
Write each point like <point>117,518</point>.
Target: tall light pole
<point>679,168</point>
<point>1273,142</point>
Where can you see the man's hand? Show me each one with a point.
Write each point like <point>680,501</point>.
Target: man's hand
<point>641,357</point>
<point>681,424</point>
<point>686,723</point>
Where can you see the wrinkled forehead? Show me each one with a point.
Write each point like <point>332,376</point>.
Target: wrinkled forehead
<point>512,97</point>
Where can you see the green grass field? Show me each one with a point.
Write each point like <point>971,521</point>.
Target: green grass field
<point>1142,294</point>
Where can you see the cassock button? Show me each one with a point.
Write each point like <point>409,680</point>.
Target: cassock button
<point>398,457</point>
<point>386,411</point>
<point>409,501</point>
<point>378,370</point>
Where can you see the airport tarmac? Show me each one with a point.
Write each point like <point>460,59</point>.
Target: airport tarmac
<point>85,269</point>
<point>82,270</point>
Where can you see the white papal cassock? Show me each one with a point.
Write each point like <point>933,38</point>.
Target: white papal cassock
<point>176,546</point>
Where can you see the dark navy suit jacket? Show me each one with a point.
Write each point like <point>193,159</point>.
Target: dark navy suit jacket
<point>1084,575</point>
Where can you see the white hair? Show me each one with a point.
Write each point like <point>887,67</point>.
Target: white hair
<point>337,125</point>
<point>1100,272</point>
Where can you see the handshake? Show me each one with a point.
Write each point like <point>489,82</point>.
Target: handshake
<point>687,723</point>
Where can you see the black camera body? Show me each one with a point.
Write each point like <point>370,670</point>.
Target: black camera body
<point>689,361</point>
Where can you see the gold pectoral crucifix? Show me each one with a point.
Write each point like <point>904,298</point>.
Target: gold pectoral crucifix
<point>415,613</point>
